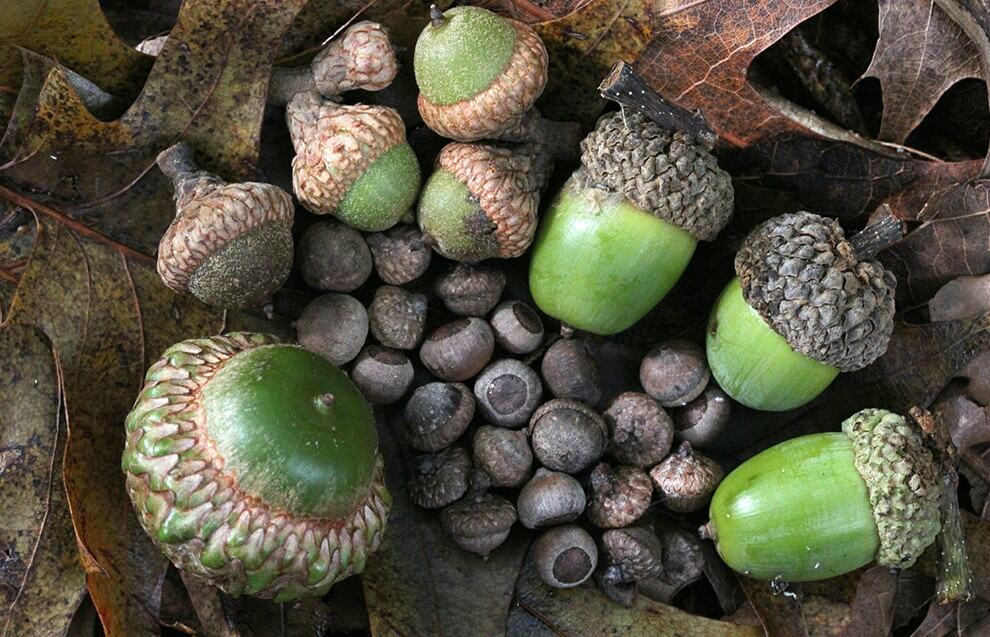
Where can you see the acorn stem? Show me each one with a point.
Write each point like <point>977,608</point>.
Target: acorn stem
<point>177,162</point>
<point>625,87</point>
<point>287,81</point>
<point>878,235</point>
<point>436,15</point>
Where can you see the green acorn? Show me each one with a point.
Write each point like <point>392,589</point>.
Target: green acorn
<point>255,465</point>
<point>825,504</point>
<point>623,229</point>
<point>805,305</point>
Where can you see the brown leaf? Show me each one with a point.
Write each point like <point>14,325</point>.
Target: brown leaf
<point>41,580</point>
<point>873,606</point>
<point>419,582</point>
<point>961,298</point>
<point>585,611</point>
<point>920,54</point>
<point>778,609</point>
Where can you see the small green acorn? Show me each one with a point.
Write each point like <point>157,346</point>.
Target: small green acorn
<point>825,504</point>
<point>805,305</point>
<point>623,229</point>
<point>255,465</point>
<point>478,72</point>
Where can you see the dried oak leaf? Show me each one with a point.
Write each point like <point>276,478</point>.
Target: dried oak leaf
<point>779,612</point>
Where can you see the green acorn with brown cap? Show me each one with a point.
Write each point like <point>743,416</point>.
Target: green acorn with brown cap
<point>255,465</point>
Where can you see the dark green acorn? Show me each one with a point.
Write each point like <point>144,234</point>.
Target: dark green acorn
<point>825,504</point>
<point>255,466</point>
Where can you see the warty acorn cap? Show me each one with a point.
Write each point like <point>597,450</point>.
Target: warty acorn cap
<point>803,277</point>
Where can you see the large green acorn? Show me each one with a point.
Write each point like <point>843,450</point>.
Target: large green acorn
<point>255,465</point>
<point>804,306</point>
<point>478,73</point>
<point>825,504</point>
<point>623,229</point>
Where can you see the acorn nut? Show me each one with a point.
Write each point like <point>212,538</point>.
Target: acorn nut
<point>567,435</point>
<point>508,391</point>
<point>238,438</point>
<point>617,496</point>
<point>503,454</point>
<point>335,326</point>
<point>479,522</point>
<point>230,245</point>
<point>803,307</point>
<point>550,498</point>
<point>825,504</point>
<point>674,372</point>
<point>436,415</point>
<point>685,480</point>
<point>440,478</point>
<point>703,420</point>
<point>397,317</point>
<point>400,254</point>
<point>458,350</point>
<point>565,556</point>
<point>517,327</point>
<point>333,257</point>
<point>381,374</point>
<point>640,430</point>
<point>570,371</point>
<point>470,290</point>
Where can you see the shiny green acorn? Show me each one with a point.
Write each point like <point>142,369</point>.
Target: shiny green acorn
<point>825,504</point>
<point>255,465</point>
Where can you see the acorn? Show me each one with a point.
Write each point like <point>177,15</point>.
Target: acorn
<point>503,454</point>
<point>550,498</point>
<point>517,327</point>
<point>567,435</point>
<point>481,202</point>
<point>674,372</point>
<point>478,73</point>
<point>381,374</point>
<point>825,504</point>
<point>334,326</point>
<point>803,307</point>
<point>470,290</point>
<point>570,371</point>
<point>508,391</point>
<point>333,257</point>
<point>685,480</point>
<point>400,254</point>
<point>565,556</point>
<point>640,430</point>
<point>683,560</point>
<point>458,350</point>
<point>635,551</point>
<point>622,230</point>
<point>436,415</point>
<point>440,478</point>
<point>617,497</point>
<point>254,465</point>
<point>703,420</point>
<point>397,317</point>
<point>230,245</point>
<point>479,522</point>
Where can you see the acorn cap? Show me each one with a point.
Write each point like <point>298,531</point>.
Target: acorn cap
<point>230,245</point>
<point>479,522</point>
<point>668,174</point>
<point>362,59</point>
<point>617,497</point>
<point>336,145</point>
<point>440,478</point>
<point>636,550</point>
<point>220,509</point>
<point>902,481</point>
<point>685,480</point>
<point>504,103</point>
<point>803,277</point>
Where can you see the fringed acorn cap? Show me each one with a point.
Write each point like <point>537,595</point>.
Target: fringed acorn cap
<point>362,59</point>
<point>903,484</point>
<point>666,173</point>
<point>230,245</point>
<point>803,276</point>
<point>504,103</point>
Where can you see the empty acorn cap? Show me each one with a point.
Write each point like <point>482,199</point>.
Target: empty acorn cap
<point>440,478</point>
<point>570,371</point>
<point>335,326</point>
<point>641,431</point>
<point>567,435</point>
<point>383,375</point>
<point>397,317</point>
<point>333,257</point>
<point>508,391</point>
<point>666,173</point>
<point>703,420</point>
<point>674,372</point>
<point>565,556</point>
<point>550,498</point>
<point>230,245</point>
<point>517,327</point>
<point>458,350</point>
<point>400,254</point>
<point>437,414</point>
<point>802,275</point>
<point>470,290</point>
<point>503,454</point>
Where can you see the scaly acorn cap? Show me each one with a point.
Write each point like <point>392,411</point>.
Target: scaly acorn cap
<point>804,278</point>
<point>902,480</point>
<point>636,550</point>
<point>503,104</point>
<point>501,192</point>
<point>668,174</point>
<point>212,520</point>
<point>362,59</point>
<point>230,245</point>
<point>338,146</point>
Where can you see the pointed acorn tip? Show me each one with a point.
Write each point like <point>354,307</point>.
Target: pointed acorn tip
<point>436,15</point>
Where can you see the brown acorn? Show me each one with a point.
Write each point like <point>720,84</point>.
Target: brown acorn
<point>383,375</point>
<point>479,522</point>
<point>440,478</point>
<point>335,326</point>
<point>570,371</point>
<point>686,480</point>
<point>436,415</point>
<point>470,290</point>
<point>641,431</point>
<point>567,435</point>
<point>333,257</point>
<point>397,317</point>
<point>458,350</point>
<point>400,254</point>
